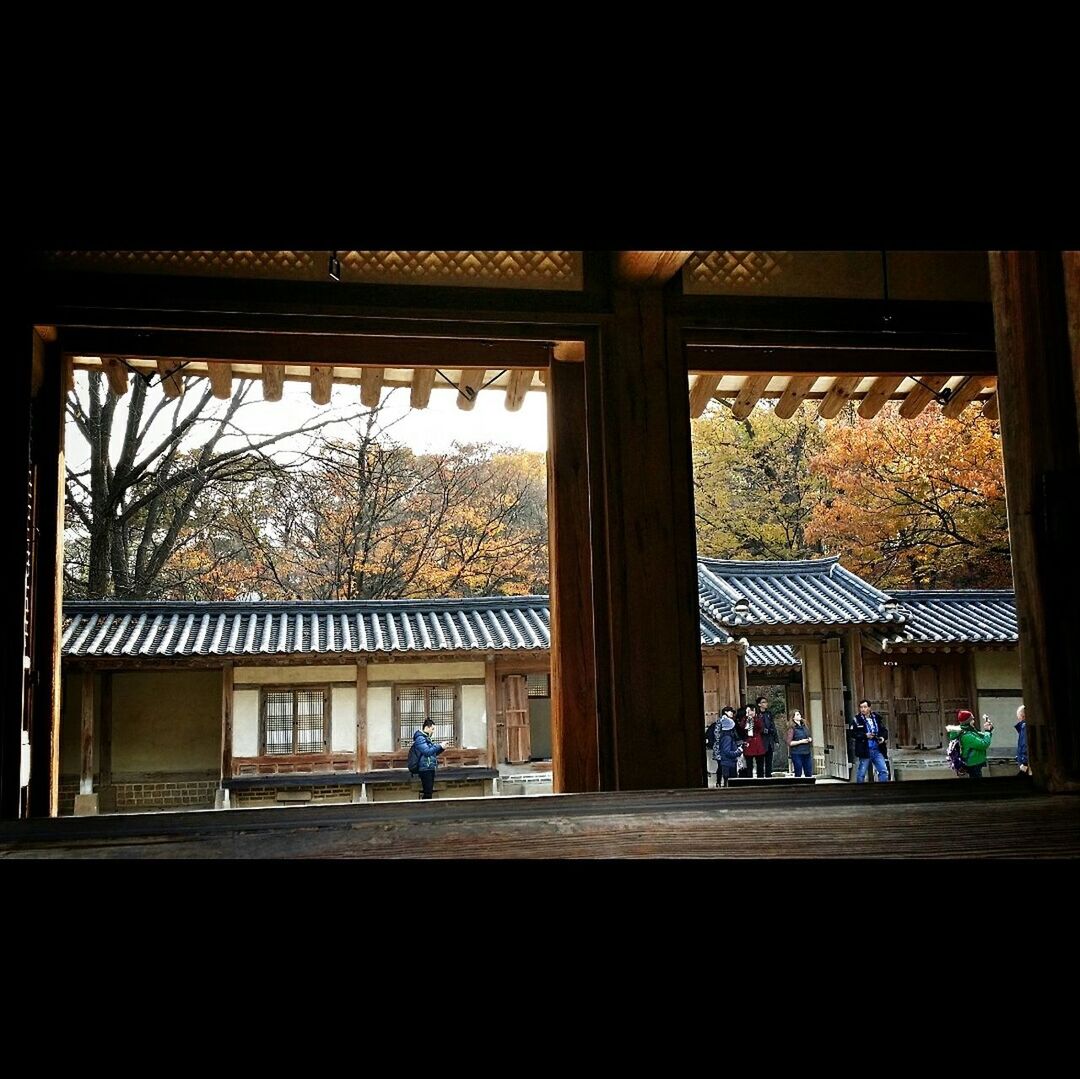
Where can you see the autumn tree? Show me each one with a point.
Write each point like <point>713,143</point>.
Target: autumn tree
<point>754,490</point>
<point>915,503</point>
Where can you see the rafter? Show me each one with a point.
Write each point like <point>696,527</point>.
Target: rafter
<point>749,395</point>
<point>172,385</point>
<point>648,267</point>
<point>422,380</point>
<point>371,383</point>
<point>469,388</point>
<point>990,409</point>
<point>116,373</point>
<point>273,380</point>
<point>838,396</point>
<point>220,379</point>
<point>795,393</point>
<point>963,395</point>
<point>516,389</point>
<point>701,393</point>
<point>881,390</point>
<point>922,395</point>
<point>322,382</point>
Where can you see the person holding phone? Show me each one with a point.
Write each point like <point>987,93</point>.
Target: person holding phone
<point>973,743</point>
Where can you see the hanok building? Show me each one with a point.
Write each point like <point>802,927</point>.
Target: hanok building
<point>289,702</point>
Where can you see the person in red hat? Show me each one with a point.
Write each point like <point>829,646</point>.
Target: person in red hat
<point>973,742</point>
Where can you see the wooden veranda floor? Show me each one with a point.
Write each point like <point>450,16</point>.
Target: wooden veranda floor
<point>1001,818</point>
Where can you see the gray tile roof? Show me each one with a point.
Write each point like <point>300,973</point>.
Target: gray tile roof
<point>772,655</point>
<point>803,593</point>
<point>968,617</point>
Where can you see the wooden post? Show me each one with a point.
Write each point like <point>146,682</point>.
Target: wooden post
<point>491,706</point>
<point>1041,451</point>
<point>86,801</point>
<point>361,715</point>
<point>573,664</point>
<point>858,684</point>
<point>46,588</point>
<point>226,720</point>
<point>646,628</point>
<point>106,795</point>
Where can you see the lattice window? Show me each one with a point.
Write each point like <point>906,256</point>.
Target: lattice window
<point>413,705</point>
<point>295,721</point>
<point>539,685</point>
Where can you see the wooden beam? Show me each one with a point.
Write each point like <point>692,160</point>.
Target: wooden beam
<point>839,394</point>
<point>990,409</point>
<point>117,374</point>
<point>46,333</point>
<point>652,268</point>
<point>573,661</point>
<point>881,390</point>
<point>1071,262</point>
<point>795,393</point>
<point>422,381</point>
<point>69,375</point>
<point>963,395</point>
<point>1040,441</point>
<point>701,393</point>
<point>220,380</point>
<point>570,351</point>
<point>37,362</point>
<point>106,794</point>
<point>749,395</point>
<point>648,639</point>
<point>468,388</point>
<point>273,381</point>
<point>491,707</point>
<point>361,715</point>
<point>172,384</point>
<point>86,770</point>
<point>227,676</point>
<point>371,381</point>
<point>748,359</point>
<point>919,397</point>
<point>300,349</point>
<point>516,389</point>
<point>322,379</point>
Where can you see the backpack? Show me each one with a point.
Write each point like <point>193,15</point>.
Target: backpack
<point>956,757</point>
<point>414,758</point>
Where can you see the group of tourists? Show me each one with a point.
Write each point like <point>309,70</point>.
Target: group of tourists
<point>742,742</point>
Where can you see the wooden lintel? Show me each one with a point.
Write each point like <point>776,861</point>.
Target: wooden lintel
<point>881,390</point>
<point>468,388</point>
<point>839,394</point>
<point>420,393</point>
<point>822,361</point>
<point>570,351</point>
<point>301,349</point>
<point>963,395</point>
<point>516,389</point>
<point>273,380</point>
<point>371,381</point>
<point>654,268</point>
<point>69,374</point>
<point>220,379</point>
<point>172,384</point>
<point>749,395</point>
<point>990,409</point>
<point>795,393</point>
<point>923,393</point>
<point>322,382</point>
<point>46,333</point>
<point>116,373</point>
<point>701,393</point>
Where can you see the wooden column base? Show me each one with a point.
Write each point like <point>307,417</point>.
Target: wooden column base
<point>86,805</point>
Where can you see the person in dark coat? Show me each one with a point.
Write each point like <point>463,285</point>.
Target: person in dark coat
<point>1021,743</point>
<point>728,748</point>
<point>748,724</point>
<point>871,734</point>
<point>710,756</point>
<point>429,756</point>
<point>770,735</point>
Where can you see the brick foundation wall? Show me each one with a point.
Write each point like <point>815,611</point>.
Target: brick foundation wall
<point>140,793</point>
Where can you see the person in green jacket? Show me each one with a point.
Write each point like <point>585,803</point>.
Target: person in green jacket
<point>973,743</point>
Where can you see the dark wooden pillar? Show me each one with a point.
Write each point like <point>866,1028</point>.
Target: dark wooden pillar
<point>574,755</point>
<point>226,720</point>
<point>46,587</point>
<point>648,647</point>
<point>15,490</point>
<point>106,794</point>
<point>1041,450</point>
<point>491,710</point>
<point>86,802</point>
<point>361,715</point>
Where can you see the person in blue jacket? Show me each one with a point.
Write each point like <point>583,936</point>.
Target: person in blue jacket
<point>727,748</point>
<point>1021,742</point>
<point>429,756</point>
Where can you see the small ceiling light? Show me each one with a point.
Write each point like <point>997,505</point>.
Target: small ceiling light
<point>335,267</point>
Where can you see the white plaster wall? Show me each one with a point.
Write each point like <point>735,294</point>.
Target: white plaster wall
<point>245,723</point>
<point>433,671</point>
<point>380,720</point>
<point>997,670</point>
<point>1002,710</point>
<point>295,675</point>
<point>473,717</point>
<point>343,719</point>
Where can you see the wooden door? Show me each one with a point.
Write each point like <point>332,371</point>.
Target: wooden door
<point>928,694</point>
<point>836,746</point>
<point>710,685</point>
<point>518,747</point>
